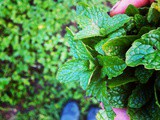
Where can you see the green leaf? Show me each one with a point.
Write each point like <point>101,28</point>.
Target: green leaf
<point>78,48</point>
<point>114,23</point>
<point>149,112</point>
<point>145,51</point>
<point>118,96</point>
<point>131,10</point>
<point>112,66</point>
<point>157,96</point>
<point>91,21</point>
<point>98,89</point>
<point>118,33</point>
<point>153,14</point>
<point>101,115</point>
<point>98,46</point>
<point>143,74</point>
<point>4,82</point>
<point>89,31</point>
<point>118,46</point>
<point>140,96</point>
<point>121,80</point>
<point>140,21</point>
<point>76,70</point>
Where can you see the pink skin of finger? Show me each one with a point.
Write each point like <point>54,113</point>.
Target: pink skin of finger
<point>121,114</point>
<point>120,7</point>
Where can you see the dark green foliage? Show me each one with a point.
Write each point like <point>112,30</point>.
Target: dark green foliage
<point>125,43</point>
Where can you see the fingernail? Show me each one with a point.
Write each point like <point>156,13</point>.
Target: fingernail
<point>114,7</point>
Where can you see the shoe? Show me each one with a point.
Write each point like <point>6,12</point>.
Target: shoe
<point>92,113</point>
<point>70,111</point>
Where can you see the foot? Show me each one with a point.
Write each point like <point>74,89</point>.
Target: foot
<point>92,113</point>
<point>70,111</point>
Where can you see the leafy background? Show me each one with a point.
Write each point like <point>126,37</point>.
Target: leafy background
<point>33,46</point>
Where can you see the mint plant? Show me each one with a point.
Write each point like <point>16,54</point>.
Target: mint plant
<point>117,59</point>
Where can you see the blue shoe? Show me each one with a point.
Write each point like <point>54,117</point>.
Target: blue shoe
<point>92,113</point>
<point>70,111</point>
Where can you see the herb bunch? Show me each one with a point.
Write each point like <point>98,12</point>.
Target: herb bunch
<point>117,59</point>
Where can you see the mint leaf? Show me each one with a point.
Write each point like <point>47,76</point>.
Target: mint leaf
<point>145,51</point>
<point>118,96</point>
<point>149,112</point>
<point>154,13</point>
<point>118,33</point>
<point>101,115</point>
<point>78,48</point>
<point>98,89</point>
<point>140,96</point>
<point>76,70</point>
<point>114,23</point>
<point>121,80</point>
<point>118,46</point>
<point>91,21</point>
<point>112,66</point>
<point>89,31</point>
<point>131,10</point>
<point>98,46</point>
<point>143,74</point>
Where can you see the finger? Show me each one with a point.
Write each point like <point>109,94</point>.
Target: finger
<point>121,114</point>
<point>121,6</point>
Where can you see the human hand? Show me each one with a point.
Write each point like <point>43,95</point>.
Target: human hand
<point>120,7</point>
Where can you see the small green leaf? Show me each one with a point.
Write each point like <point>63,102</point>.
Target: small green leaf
<point>145,51</point>
<point>143,74</point>
<point>112,66</point>
<point>131,10</point>
<point>4,82</point>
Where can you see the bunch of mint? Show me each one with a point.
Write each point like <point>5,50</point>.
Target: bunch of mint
<point>117,59</point>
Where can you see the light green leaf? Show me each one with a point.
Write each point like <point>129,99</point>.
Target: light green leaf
<point>145,51</point>
<point>118,46</point>
<point>89,31</point>
<point>76,70</point>
<point>4,82</point>
<point>112,66</point>
<point>101,115</point>
<point>78,48</point>
<point>90,20</point>
<point>98,46</point>
<point>114,23</point>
